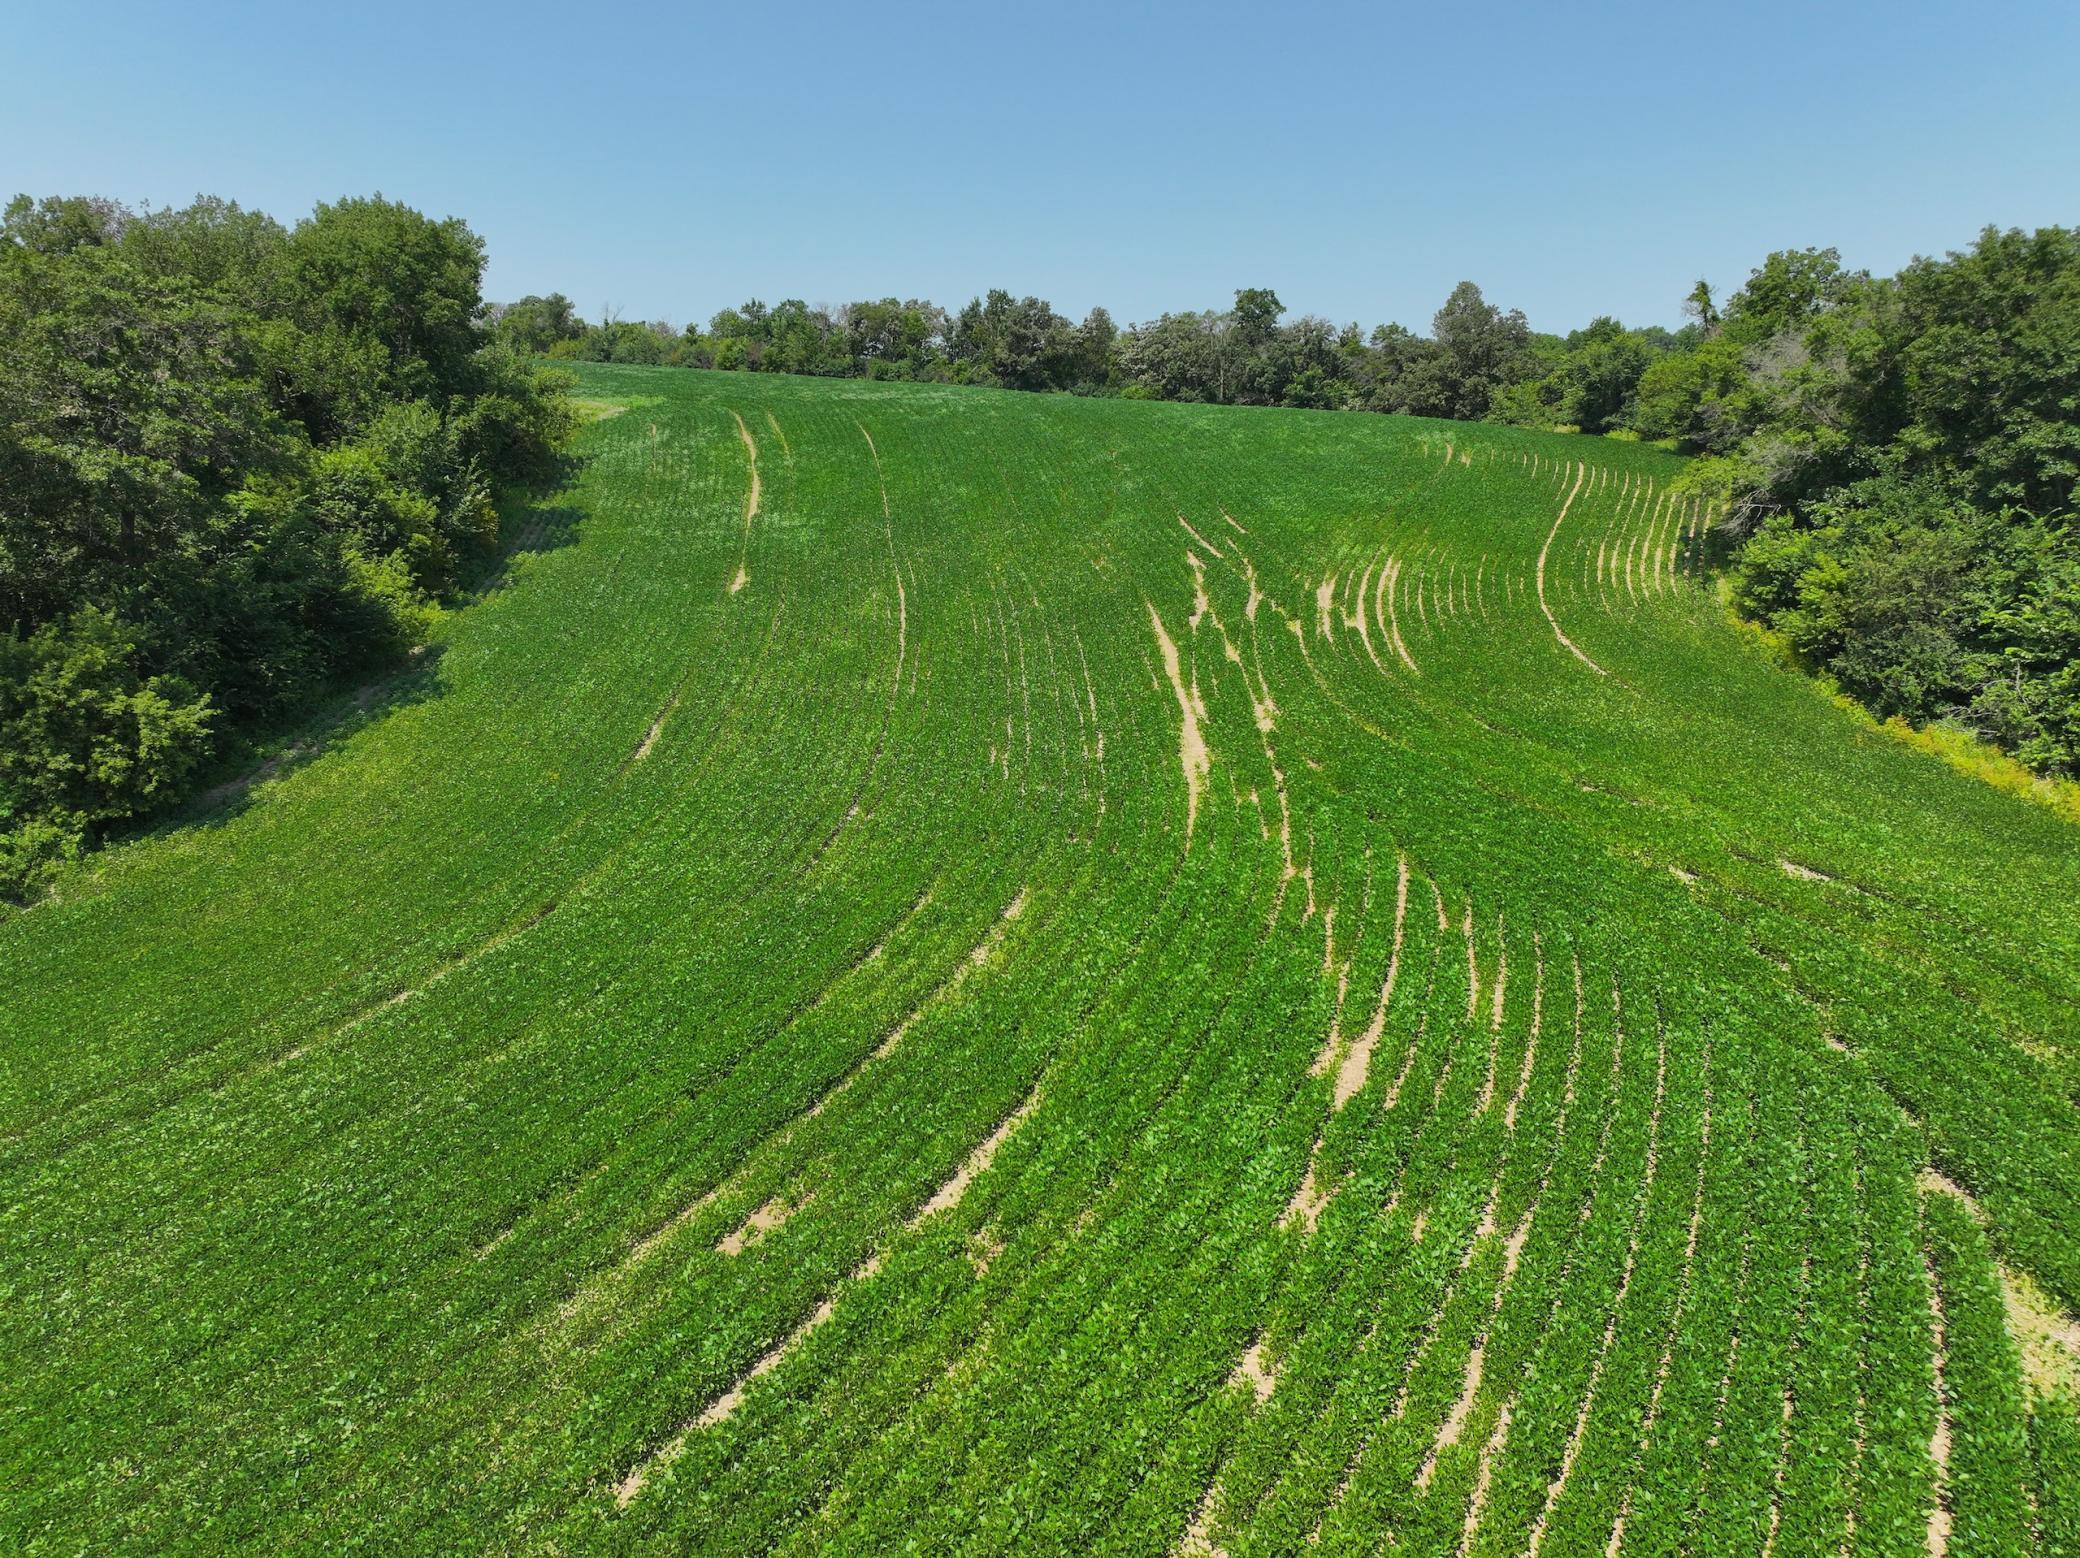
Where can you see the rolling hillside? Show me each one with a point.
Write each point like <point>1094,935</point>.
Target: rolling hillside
<point>1008,972</point>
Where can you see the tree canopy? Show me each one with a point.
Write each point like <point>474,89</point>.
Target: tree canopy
<point>236,461</point>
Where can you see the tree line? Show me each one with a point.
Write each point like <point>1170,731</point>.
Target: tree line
<point>1897,455</point>
<point>1478,361</point>
<point>238,461</point>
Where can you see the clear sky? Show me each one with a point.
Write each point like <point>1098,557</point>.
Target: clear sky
<point>1360,159</point>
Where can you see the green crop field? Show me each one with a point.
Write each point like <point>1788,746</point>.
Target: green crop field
<point>952,971</point>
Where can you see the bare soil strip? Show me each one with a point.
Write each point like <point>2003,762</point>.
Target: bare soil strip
<point>1197,537</point>
<point>743,573</point>
<point>726,1404</point>
<point>1513,1250</point>
<point>1496,993</point>
<point>1253,1370</point>
<point>656,729</point>
<point>751,497</point>
<point>1311,1197</point>
<point>2048,1338</point>
<point>980,954</point>
<point>1538,991</point>
<point>948,1195</point>
<point>1938,1535</point>
<point>1350,1076</point>
<point>1192,754</point>
<point>1197,1541</point>
<point>945,1198</point>
<point>1473,966</point>
<point>1477,1506</point>
<point>455,965</point>
<point>1389,580</point>
<point>1572,647</point>
<point>1674,1334</point>
<point>1357,619</point>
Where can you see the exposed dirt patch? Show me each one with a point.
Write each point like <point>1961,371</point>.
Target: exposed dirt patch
<point>1350,1076</point>
<point>751,500</point>
<point>751,497</point>
<point>656,727</point>
<point>1356,612</point>
<point>761,1222</point>
<point>1483,1478</point>
<point>1255,1370</point>
<point>2046,1336</point>
<point>1538,1003</point>
<point>1192,754</point>
<point>1197,1541</point>
<point>1389,584</point>
<point>2049,1339</point>
<point>1937,1539</point>
<point>1310,1199</point>
<point>1455,1420</point>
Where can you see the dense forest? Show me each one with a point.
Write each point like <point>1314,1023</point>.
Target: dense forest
<point>1897,455</point>
<point>238,462</point>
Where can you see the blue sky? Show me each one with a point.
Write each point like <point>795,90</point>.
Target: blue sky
<point>1360,159</point>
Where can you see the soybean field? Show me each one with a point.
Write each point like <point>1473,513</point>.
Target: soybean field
<point>950,971</point>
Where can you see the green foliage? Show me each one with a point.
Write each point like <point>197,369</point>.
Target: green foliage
<point>234,462</point>
<point>1478,350</point>
<point>1925,606</point>
<point>609,1060</point>
<point>535,325</point>
<point>1902,456</point>
<point>381,304</point>
<point>83,735</point>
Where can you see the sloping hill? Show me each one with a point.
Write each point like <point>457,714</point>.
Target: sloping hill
<point>999,971</point>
